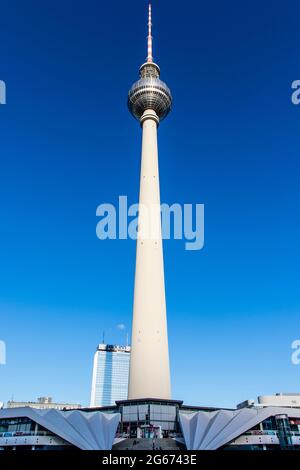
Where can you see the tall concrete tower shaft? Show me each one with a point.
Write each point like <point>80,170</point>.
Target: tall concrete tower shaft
<point>149,101</point>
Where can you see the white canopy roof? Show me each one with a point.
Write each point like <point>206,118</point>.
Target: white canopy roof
<point>211,430</point>
<point>85,430</point>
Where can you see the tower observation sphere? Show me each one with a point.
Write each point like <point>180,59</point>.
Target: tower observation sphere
<point>149,92</point>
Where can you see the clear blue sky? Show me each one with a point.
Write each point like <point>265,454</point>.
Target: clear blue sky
<point>68,144</point>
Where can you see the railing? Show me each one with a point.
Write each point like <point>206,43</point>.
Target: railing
<point>266,432</point>
<point>24,433</point>
<point>258,432</point>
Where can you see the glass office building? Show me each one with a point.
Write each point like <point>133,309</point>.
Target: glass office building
<point>110,375</point>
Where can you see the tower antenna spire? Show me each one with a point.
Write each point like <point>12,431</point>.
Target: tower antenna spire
<point>150,56</point>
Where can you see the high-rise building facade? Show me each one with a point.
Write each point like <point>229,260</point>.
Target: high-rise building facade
<point>110,374</point>
<point>149,101</point>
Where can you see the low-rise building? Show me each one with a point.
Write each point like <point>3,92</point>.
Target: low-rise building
<point>142,423</point>
<point>43,403</point>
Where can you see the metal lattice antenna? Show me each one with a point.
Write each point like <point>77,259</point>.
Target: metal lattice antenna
<point>150,57</point>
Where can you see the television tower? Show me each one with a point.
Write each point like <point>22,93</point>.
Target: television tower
<point>149,101</point>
